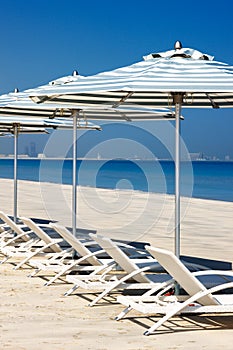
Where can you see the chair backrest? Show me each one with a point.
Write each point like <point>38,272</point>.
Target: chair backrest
<point>119,257</point>
<point>15,228</point>
<point>41,234</point>
<point>181,274</point>
<point>75,243</point>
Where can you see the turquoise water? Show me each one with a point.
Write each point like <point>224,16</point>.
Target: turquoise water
<point>200,179</point>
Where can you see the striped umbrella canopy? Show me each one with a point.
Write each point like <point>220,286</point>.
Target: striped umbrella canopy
<point>153,82</point>
<point>177,78</point>
<point>9,130</point>
<point>57,123</point>
<point>18,104</point>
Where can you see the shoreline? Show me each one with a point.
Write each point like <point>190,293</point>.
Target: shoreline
<point>206,180</point>
<point>117,189</point>
<point>206,225</point>
<point>116,159</point>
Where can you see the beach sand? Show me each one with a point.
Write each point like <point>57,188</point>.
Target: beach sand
<point>34,317</point>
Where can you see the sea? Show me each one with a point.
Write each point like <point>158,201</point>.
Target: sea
<point>199,179</point>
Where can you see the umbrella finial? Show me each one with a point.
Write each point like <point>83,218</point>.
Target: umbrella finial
<point>178,45</point>
<point>75,73</point>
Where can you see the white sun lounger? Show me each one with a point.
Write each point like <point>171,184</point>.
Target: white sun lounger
<point>87,260</point>
<point>92,257</point>
<point>35,242</point>
<point>19,243</point>
<point>51,248</point>
<point>133,277</point>
<point>199,298</point>
<point>12,232</point>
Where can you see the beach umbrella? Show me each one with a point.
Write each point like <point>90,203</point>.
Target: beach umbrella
<point>15,129</point>
<point>182,77</point>
<point>18,108</point>
<point>18,125</point>
<point>18,105</point>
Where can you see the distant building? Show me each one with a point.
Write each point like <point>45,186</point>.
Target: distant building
<point>41,155</point>
<point>23,156</point>
<point>195,156</point>
<point>32,150</point>
<point>198,156</point>
<point>26,150</point>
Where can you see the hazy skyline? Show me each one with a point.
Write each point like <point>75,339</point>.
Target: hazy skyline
<point>41,41</point>
<point>117,140</point>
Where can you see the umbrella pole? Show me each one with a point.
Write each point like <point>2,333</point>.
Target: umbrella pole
<point>15,170</point>
<point>74,191</point>
<point>177,99</point>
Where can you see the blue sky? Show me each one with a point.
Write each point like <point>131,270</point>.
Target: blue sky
<point>46,39</point>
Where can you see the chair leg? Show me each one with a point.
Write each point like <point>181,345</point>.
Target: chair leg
<point>123,313</point>
<point>35,272</point>
<point>71,290</point>
<point>61,273</point>
<point>112,286</point>
<point>5,259</point>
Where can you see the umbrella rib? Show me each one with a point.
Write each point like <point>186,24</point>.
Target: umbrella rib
<point>124,116</point>
<point>53,114</point>
<point>123,99</point>
<point>213,103</point>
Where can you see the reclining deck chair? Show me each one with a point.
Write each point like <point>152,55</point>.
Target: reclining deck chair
<point>20,241</point>
<point>91,257</point>
<point>199,298</point>
<point>88,257</point>
<point>52,248</point>
<point>11,233</point>
<point>28,241</point>
<point>133,277</point>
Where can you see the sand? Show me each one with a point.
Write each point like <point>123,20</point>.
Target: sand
<point>36,317</point>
